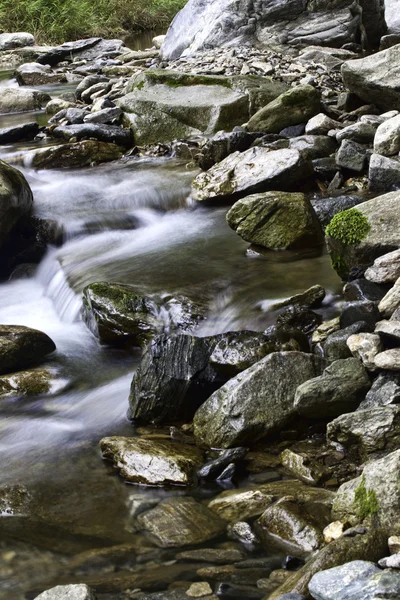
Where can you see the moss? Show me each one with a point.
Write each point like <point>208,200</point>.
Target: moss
<point>349,227</point>
<point>176,79</point>
<point>339,265</point>
<point>366,500</point>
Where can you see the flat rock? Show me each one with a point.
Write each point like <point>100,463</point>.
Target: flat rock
<point>36,74</point>
<point>13,100</point>
<point>386,268</point>
<point>73,155</point>
<point>110,134</point>
<point>19,133</point>
<point>388,360</point>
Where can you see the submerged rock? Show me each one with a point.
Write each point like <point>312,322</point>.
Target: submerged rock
<point>27,383</point>
<point>21,346</point>
<point>276,220</point>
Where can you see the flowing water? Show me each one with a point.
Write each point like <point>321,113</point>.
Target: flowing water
<point>131,222</point>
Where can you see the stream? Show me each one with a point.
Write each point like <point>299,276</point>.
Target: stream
<point>132,222</point>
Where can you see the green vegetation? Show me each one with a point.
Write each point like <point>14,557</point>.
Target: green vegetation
<point>349,227</point>
<point>366,500</point>
<point>57,21</point>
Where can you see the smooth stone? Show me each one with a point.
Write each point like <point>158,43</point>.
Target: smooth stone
<point>19,133</point>
<point>104,116</point>
<point>389,360</point>
<point>32,382</point>
<point>387,137</point>
<point>73,155</point>
<point>365,346</point>
<point>9,41</point>
<point>199,589</point>
<point>391,329</point>
<point>22,346</point>
<point>359,310</point>
<point>244,533</point>
<point>362,289</point>
<point>14,100</point>
<point>390,562</point>
<point>386,268</point>
<point>68,592</point>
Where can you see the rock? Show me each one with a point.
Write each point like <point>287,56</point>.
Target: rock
<point>362,289</point>
<point>325,329</point>
<point>105,116</point>
<point>89,81</point>
<point>313,298</point>
<point>15,40</point>
<point>37,74</point>
<point>312,146</point>
<point>321,125</point>
<point>103,133</point>
<point>236,351</point>
<point>385,390</point>
<point>276,220</point>
<point>19,133</point>
<point>243,532</point>
<point>20,100</point>
<point>292,596</point>
<point>335,346</point>
<point>151,462</point>
<point>387,137</point>
<point>14,501</point>
<point>236,417</point>
<point>360,310</point>
<point>221,556</point>
<point>158,41</point>
<point>32,382</point>
<point>383,174</point>
<point>73,155</point>
<point>334,583</point>
<point>295,106</point>
<point>299,466</point>
<point>386,268</point>
<point>390,562</point>
<point>391,301</point>
<point>365,346</point>
<point>369,431</point>
<point>375,78</point>
<point>217,148</point>
<point>253,171</point>
<point>122,314</point>
<point>15,199</point>
<point>21,346</point>
<point>333,531</point>
<point>389,330</point>
<point>214,469</point>
<point>181,521</point>
<point>389,360</point>
<point>72,115</point>
<point>340,388</point>
<point>374,494</point>
<point>383,236</point>
<point>327,208</point>
<point>78,591</point>
<point>352,156</point>
<point>58,105</point>
<point>199,589</point>
<point>361,132</point>
<point>394,544</point>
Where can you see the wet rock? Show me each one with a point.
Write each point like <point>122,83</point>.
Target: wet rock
<point>15,199</point>
<point>19,133</point>
<point>276,220</point>
<point>362,289</point>
<point>383,173</point>
<point>391,301</point>
<point>217,148</point>
<point>365,346</point>
<point>16,40</point>
<point>73,155</point>
<point>14,500</point>
<point>181,522</point>
<point>389,360</point>
<point>327,208</point>
<point>337,583</point>
<point>299,466</point>
<point>216,422</point>
<point>359,310</point>
<point>212,555</point>
<point>244,533</point>
<point>255,170</point>
<point>214,468</point>
<point>21,346</point>
<point>385,390</point>
<point>29,383</point>
<point>199,589</point>
<point>295,106</point>
<point>298,318</point>
<point>232,575</point>
<point>110,134</point>
<point>312,298</point>
<point>369,431</point>
<point>236,351</point>
<point>325,329</point>
<point>152,462</point>
<point>352,156</point>
<point>68,592</point>
<point>37,74</point>
<point>340,388</point>
<point>386,268</point>
<point>335,346</point>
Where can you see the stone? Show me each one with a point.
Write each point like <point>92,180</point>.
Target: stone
<point>16,199</point>
<point>365,346</point>
<point>360,132</point>
<point>370,431</point>
<point>333,531</point>
<point>389,360</point>
<point>89,81</point>
<point>255,170</point>
<point>236,351</point>
<point>199,589</point>
<point>325,329</point>
<point>391,301</point>
<point>9,41</point>
<point>394,544</point>
<point>73,155</point>
<point>321,124</point>
<point>313,298</point>
<point>15,500</point>
<point>340,388</point>
<point>327,208</point>
<point>299,466</point>
<point>392,16</point>
<point>32,382</point>
<point>375,78</point>
<point>295,106</point>
<point>152,462</point>
<point>157,42</point>
<point>332,583</point>
<point>352,156</point>
<point>215,469</point>
<point>232,417</point>
<point>386,268</point>
<point>14,100</point>
<point>362,289</point>
<point>390,562</point>
<point>72,115</point>
<point>244,533</point>
<point>276,220</point>
<point>389,330</point>
<point>335,346</point>
<point>181,521</point>
<point>221,556</point>
<point>385,390</point>
<point>58,104</point>
<point>105,116</point>
<point>18,133</point>
<point>359,310</point>
<point>387,137</point>
<point>110,134</point>
<point>383,174</point>
<point>36,74</point>
<point>21,347</point>
<point>78,591</point>
<point>312,146</point>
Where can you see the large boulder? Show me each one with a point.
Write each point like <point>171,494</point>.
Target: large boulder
<point>15,199</point>
<point>375,78</point>
<point>256,170</point>
<point>203,24</point>
<point>276,220</point>
<point>13,100</point>
<point>257,402</point>
<point>21,347</point>
<point>8,41</point>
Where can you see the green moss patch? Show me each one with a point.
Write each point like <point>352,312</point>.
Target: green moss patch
<point>349,227</point>
<point>366,501</point>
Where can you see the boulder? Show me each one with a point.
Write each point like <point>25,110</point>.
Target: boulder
<point>32,382</point>
<point>375,78</point>
<point>387,137</point>
<point>15,199</point>
<point>73,155</point>
<point>122,314</point>
<point>386,268</point>
<point>340,388</point>
<point>352,156</point>
<point>293,107</point>
<point>370,432</point>
<point>342,582</point>
<point>18,133</point>
<point>78,591</point>
<point>110,134</point>
<point>37,74</point>
<point>327,208</point>
<point>8,41</point>
<point>256,402</point>
<point>276,220</point>
<point>388,360</point>
<point>335,345</point>
<point>181,521</point>
<point>14,100</point>
<point>256,170</point>
<point>391,301</point>
<point>361,249</point>
<point>385,390</point>
<point>383,174</point>
<point>152,462</point>
<point>376,493</point>
<point>321,124</point>
<point>21,347</point>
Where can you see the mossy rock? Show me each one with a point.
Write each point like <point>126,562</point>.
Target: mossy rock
<point>174,79</point>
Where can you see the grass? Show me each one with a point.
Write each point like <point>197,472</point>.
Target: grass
<point>57,21</point>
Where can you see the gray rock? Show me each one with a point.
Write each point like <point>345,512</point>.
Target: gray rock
<point>255,402</point>
<point>9,41</point>
<point>369,431</point>
<point>352,156</point>
<point>18,133</point>
<point>71,115</point>
<point>73,155</point>
<point>335,345</point>
<point>20,100</point>
<point>392,16</point>
<point>360,132</point>
<point>313,146</point>
<point>327,208</point>
<point>387,137</point>
<point>276,220</point>
<point>292,596</point>
<point>391,301</point>
<point>390,562</point>
<point>78,591</point>
<point>365,346</point>
<point>15,199</point>
<point>21,346</point>
<point>321,125</point>
<point>383,174</point>
<point>221,556</point>
<point>360,310</point>
<point>88,82</point>
<point>152,462</point>
<point>362,289</point>
<point>340,388</point>
<point>37,74</point>
<point>389,329</point>
<point>181,521</point>
<point>58,105</point>
<point>253,171</point>
<point>388,360</point>
<point>107,115</point>
<point>386,268</point>
<point>236,351</point>
<point>332,583</point>
<point>385,390</point>
<point>312,298</point>
<point>103,133</point>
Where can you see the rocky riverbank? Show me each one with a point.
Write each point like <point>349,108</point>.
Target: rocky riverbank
<point>300,140</point>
